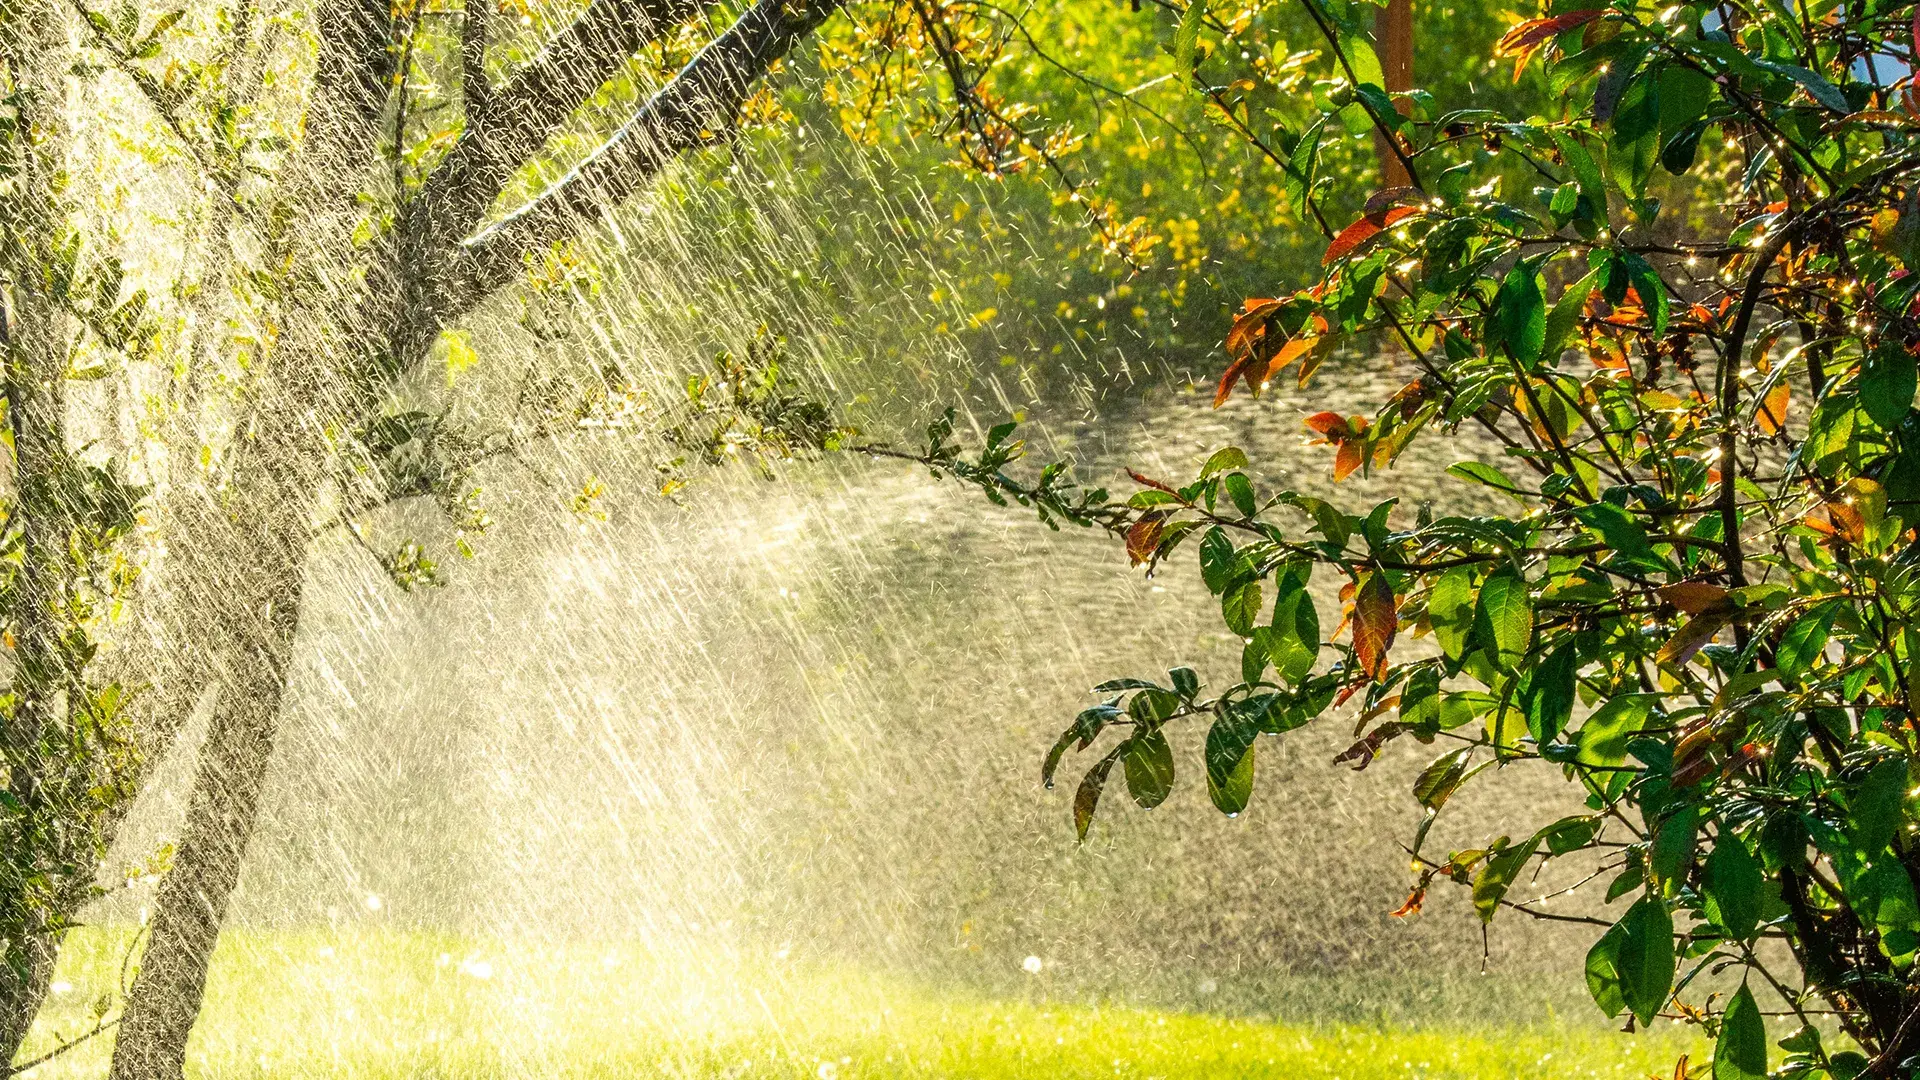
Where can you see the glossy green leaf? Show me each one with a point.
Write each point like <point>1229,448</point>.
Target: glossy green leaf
<point>1149,768</point>
<point>1741,1051</point>
<point>1731,884</point>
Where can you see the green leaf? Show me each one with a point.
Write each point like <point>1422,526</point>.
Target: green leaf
<point>1646,960</point>
<point>1302,165</point>
<point>1087,797</point>
<point>1240,493</point>
<point>1216,560</point>
<point>1730,884</point>
<point>1438,781</point>
<point>1817,87</point>
<point>1603,971</point>
<point>1149,766</point>
<point>1186,682</point>
<point>1450,610</point>
<point>1586,172</point>
<point>1741,1051</point>
<point>1240,607</point>
<point>1671,854</point>
<point>1875,811</point>
<point>1804,642</point>
<point>1230,762</point>
<point>1547,692</point>
<point>1491,884</point>
<point>1482,473</point>
<point>1603,738</point>
<point>1520,314</point>
<point>1685,94</point>
<point>1617,529</point>
<point>1887,382</point>
<point>1636,135</point>
<point>1504,618</point>
<point>1294,644</point>
<point>1365,62</point>
<point>1227,457</point>
<point>1187,36</point>
<point>1565,316</point>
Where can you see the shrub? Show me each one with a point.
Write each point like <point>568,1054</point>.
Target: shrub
<point>1685,307</point>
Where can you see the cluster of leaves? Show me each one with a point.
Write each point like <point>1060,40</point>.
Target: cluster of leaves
<point>1176,185</point>
<point>1694,340</point>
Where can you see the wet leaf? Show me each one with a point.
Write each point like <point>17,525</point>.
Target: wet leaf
<point>1294,640</point>
<point>1229,755</point>
<point>1741,1051</point>
<point>1149,768</point>
<point>1087,798</point>
<point>1438,781</point>
<point>1363,230</point>
<point>1375,619</point>
<point>1730,884</point>
<point>1503,866</point>
<point>1504,618</point>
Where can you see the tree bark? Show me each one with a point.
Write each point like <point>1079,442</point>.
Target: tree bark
<point>1393,33</point>
<point>259,617</point>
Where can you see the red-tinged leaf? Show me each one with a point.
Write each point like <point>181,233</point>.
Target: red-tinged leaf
<point>1288,353</point>
<point>1364,230</point>
<point>1533,33</point>
<point>1230,376</point>
<point>1693,597</point>
<point>1250,323</point>
<point>1697,632</point>
<point>1352,688</point>
<point>1322,348</point>
<point>1351,455</point>
<point>1363,752</point>
<point>1143,539</point>
<point>1848,523</point>
<point>1147,481</point>
<point>1772,414</point>
<point>1087,798</point>
<point>1414,901</point>
<point>1375,618</point>
<point>1329,424</point>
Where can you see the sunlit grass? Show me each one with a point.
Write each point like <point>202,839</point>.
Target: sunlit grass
<point>380,1004</point>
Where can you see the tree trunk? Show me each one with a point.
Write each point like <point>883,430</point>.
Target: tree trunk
<point>256,620</point>
<point>1393,35</point>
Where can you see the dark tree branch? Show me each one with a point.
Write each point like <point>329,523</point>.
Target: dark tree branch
<point>696,108</point>
<point>540,97</point>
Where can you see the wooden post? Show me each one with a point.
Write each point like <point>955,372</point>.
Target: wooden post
<point>1393,39</point>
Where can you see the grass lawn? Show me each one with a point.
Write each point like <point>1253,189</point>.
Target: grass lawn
<point>389,1004</point>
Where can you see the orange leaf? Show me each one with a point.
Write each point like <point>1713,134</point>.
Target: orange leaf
<point>1412,907</point>
<point>1693,597</point>
<point>1144,538</point>
<point>1330,424</point>
<point>1697,632</point>
<point>1772,416</point>
<point>1530,34</point>
<point>1249,323</point>
<point>1524,40</point>
<point>1848,523</point>
<point>1374,621</point>
<point>1351,455</point>
<point>1364,230</point>
<point>1234,371</point>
